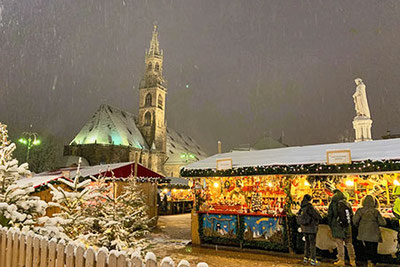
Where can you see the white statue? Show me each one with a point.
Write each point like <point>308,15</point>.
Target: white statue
<point>360,99</point>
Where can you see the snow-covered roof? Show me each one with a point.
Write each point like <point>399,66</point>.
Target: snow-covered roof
<point>179,145</point>
<point>86,171</point>
<point>38,180</point>
<point>267,142</point>
<point>110,125</point>
<point>369,150</point>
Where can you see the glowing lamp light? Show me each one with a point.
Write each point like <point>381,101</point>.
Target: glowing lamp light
<point>270,184</point>
<point>349,183</point>
<point>23,141</point>
<point>174,190</point>
<point>36,142</point>
<point>306,183</point>
<point>165,190</point>
<point>216,185</point>
<point>396,182</point>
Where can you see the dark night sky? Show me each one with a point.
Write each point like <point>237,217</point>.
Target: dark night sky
<point>252,67</point>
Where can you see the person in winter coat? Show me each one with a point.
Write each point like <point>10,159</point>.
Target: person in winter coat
<point>310,230</point>
<point>368,219</point>
<point>342,235</point>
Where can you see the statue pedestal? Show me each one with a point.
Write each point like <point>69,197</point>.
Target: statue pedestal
<point>362,125</point>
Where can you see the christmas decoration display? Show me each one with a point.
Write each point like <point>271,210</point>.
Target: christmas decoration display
<point>17,207</point>
<point>256,202</point>
<point>257,211</point>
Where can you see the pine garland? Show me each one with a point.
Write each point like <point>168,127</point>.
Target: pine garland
<point>355,167</point>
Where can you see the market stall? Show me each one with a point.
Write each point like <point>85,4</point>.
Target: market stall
<point>252,201</point>
<point>176,196</point>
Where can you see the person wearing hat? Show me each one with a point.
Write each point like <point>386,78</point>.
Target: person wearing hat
<point>341,232</point>
<point>368,219</point>
<point>309,229</point>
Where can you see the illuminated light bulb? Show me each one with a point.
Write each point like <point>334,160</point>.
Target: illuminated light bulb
<point>216,185</point>
<point>165,191</point>
<point>395,182</point>
<point>349,183</point>
<point>306,183</point>
<point>270,184</point>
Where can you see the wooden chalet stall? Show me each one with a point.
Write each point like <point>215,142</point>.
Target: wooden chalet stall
<point>251,199</point>
<point>118,173</point>
<point>176,196</point>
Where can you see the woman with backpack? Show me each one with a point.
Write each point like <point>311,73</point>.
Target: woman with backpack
<point>308,219</point>
<point>339,219</point>
<point>368,219</point>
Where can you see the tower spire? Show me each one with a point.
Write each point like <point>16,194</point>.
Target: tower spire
<point>154,45</point>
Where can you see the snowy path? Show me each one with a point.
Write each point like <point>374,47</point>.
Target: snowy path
<point>174,233</point>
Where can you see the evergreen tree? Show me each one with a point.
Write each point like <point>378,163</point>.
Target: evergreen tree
<point>124,221</point>
<point>17,207</point>
<point>72,219</point>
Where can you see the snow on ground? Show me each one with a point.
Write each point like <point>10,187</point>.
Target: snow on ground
<point>172,240</point>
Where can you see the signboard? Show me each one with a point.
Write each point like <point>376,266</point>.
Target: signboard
<point>224,164</point>
<point>338,157</point>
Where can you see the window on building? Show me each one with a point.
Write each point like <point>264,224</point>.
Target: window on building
<point>147,118</point>
<point>148,100</point>
<point>150,66</point>
<point>160,101</point>
<point>157,68</point>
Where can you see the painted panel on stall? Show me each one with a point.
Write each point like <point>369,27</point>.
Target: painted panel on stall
<point>259,228</point>
<point>220,225</point>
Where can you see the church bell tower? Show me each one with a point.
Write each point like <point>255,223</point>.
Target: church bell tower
<point>152,95</point>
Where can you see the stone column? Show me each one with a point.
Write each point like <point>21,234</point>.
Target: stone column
<point>362,125</point>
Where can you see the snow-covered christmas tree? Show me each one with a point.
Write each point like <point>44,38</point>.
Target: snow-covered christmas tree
<point>124,221</point>
<point>73,218</point>
<point>17,207</point>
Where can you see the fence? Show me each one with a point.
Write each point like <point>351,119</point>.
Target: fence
<point>18,249</point>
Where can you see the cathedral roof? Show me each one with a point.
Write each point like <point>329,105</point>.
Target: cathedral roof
<point>182,149</point>
<point>267,142</point>
<point>111,126</point>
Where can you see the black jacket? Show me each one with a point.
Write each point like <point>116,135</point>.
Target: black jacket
<point>315,217</point>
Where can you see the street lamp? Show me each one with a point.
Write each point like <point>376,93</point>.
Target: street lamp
<point>29,140</point>
<point>187,156</point>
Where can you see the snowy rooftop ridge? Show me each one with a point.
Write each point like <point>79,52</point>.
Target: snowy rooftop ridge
<point>110,125</point>
<point>388,149</point>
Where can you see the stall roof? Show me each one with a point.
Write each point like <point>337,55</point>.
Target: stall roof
<point>120,170</point>
<point>314,154</point>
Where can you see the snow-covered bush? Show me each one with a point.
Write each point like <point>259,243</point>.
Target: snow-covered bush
<point>17,207</point>
<point>91,211</point>
<point>122,220</point>
<point>73,219</point>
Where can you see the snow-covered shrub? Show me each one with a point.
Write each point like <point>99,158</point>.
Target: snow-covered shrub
<point>73,219</point>
<point>122,220</point>
<point>17,207</point>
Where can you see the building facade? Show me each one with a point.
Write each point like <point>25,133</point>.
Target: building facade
<point>113,135</point>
